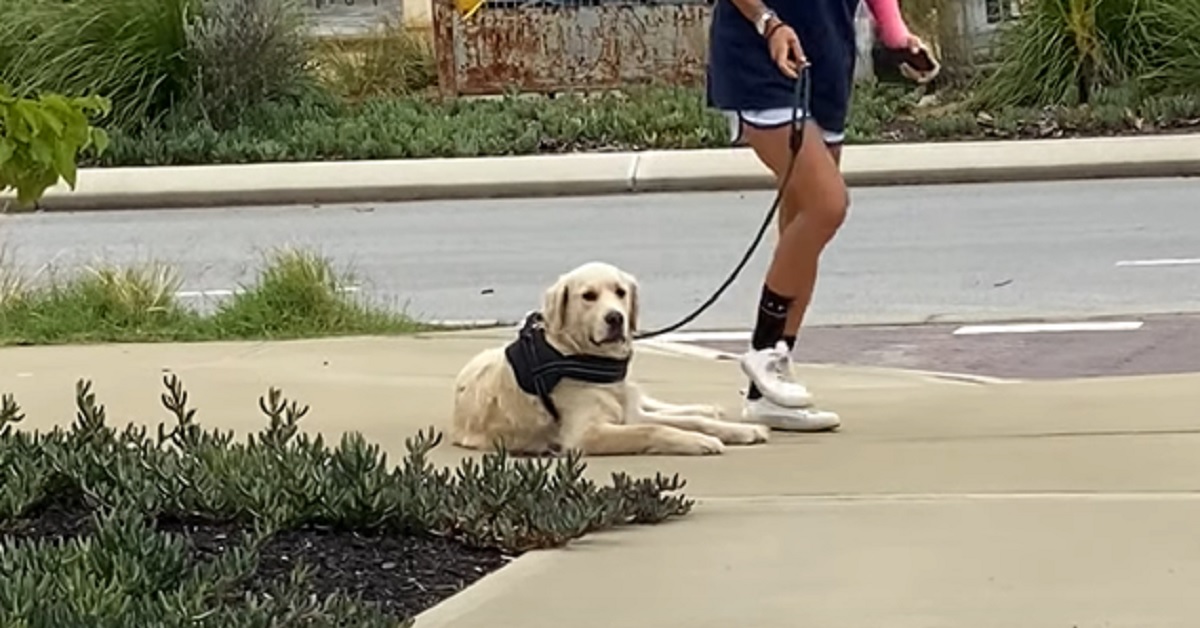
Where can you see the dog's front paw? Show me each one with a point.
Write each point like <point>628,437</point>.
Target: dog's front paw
<point>713,412</point>
<point>704,445</point>
<point>746,434</point>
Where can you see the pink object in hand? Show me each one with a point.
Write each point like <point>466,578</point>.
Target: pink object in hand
<point>892,30</point>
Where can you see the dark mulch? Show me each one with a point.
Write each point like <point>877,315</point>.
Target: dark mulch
<point>64,515</point>
<point>402,574</point>
<point>207,539</point>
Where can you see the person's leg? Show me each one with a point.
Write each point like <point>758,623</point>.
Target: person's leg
<point>791,330</point>
<point>814,206</point>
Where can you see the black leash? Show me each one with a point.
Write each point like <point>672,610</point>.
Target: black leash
<point>800,115</point>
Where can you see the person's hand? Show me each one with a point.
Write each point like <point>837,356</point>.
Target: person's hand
<point>919,65</point>
<point>785,49</point>
<point>914,44</point>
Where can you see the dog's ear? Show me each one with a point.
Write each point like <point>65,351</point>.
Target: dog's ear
<point>631,284</point>
<point>554,304</point>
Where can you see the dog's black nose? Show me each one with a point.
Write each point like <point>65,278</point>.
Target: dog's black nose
<point>614,319</point>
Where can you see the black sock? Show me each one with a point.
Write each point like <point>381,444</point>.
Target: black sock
<point>768,330</point>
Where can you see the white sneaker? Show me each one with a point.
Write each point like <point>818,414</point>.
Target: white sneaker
<point>777,417</point>
<point>771,372</point>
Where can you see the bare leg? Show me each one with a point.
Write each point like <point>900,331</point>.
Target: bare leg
<point>796,313</point>
<point>814,208</point>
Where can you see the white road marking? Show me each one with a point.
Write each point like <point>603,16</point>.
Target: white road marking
<point>1036,328</point>
<point>470,323</point>
<point>704,336</point>
<point>1178,261</point>
<point>198,294</point>
<point>680,348</point>
<point>208,294</point>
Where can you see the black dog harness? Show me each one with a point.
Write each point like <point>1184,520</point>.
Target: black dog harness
<point>539,367</point>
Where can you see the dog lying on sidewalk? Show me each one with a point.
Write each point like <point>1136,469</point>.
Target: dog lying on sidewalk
<point>561,385</point>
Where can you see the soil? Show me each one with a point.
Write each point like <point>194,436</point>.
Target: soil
<point>63,516</point>
<point>402,575</point>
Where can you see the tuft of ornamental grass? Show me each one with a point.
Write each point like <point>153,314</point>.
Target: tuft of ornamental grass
<point>298,294</point>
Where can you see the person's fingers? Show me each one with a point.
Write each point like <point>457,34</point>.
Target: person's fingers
<point>788,67</point>
<point>797,51</point>
<point>780,54</point>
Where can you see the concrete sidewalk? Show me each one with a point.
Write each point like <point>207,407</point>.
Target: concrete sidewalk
<point>615,173</point>
<point>941,503</point>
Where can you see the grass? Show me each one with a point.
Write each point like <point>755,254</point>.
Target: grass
<point>389,61</point>
<point>1062,51</point>
<point>131,51</point>
<point>298,294</point>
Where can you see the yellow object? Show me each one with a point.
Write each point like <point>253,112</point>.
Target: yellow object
<point>468,7</point>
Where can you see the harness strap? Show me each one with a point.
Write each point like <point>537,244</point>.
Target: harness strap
<point>546,365</point>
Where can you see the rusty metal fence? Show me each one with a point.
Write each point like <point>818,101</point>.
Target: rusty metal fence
<point>561,45</point>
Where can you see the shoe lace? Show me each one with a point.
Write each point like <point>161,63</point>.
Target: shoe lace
<point>781,366</point>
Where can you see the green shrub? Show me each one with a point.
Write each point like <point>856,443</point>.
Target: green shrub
<point>129,51</point>
<point>298,294</point>
<point>40,141</point>
<point>99,303</point>
<point>1173,66</point>
<point>245,52</point>
<point>387,62</point>
<point>122,568</point>
<point>415,127</point>
<point>1060,52</point>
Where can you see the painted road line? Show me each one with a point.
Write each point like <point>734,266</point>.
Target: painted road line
<point>1037,328</point>
<point>201,294</point>
<point>704,336</point>
<point>211,294</point>
<point>1178,261</point>
<point>473,323</point>
<point>681,348</point>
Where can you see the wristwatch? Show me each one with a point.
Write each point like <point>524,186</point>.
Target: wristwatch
<point>764,18</point>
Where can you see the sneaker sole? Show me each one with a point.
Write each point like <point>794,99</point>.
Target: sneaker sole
<point>782,425</point>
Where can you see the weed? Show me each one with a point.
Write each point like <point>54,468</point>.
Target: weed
<point>298,294</point>
<point>387,62</point>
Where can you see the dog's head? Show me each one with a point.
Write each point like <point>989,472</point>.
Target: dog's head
<point>592,310</point>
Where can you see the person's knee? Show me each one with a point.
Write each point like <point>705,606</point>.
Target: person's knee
<point>823,211</point>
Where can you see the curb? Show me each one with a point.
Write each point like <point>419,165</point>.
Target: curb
<point>580,174</point>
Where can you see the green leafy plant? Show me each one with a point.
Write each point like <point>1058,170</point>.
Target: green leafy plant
<point>301,293</point>
<point>1061,52</point>
<point>129,51</point>
<point>389,60</point>
<point>245,52</point>
<point>41,140</point>
<point>122,562</point>
<point>297,294</point>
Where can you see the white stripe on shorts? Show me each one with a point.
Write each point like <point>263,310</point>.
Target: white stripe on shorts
<point>768,118</point>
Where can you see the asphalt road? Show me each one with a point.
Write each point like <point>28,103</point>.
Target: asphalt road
<point>908,254</point>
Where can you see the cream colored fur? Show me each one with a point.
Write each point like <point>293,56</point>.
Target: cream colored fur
<point>596,419</point>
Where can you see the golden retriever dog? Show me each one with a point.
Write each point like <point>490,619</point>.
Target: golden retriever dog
<point>590,314</point>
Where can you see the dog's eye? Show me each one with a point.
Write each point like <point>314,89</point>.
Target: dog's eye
<point>590,295</point>
<point>620,293</point>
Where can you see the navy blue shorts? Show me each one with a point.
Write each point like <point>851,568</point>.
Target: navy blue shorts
<point>746,85</point>
<point>775,118</point>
